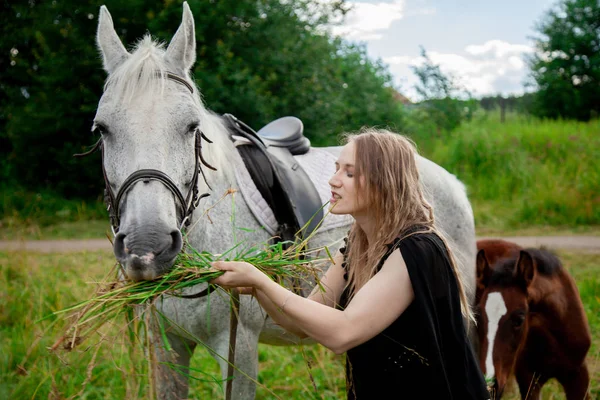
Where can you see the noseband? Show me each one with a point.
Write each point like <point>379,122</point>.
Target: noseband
<point>187,204</point>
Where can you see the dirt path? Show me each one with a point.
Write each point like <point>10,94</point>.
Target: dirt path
<point>584,244</point>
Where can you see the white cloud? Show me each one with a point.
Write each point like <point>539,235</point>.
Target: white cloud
<point>369,21</point>
<point>497,48</point>
<point>490,68</point>
<point>421,11</point>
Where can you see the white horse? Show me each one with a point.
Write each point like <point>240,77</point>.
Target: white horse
<point>150,116</point>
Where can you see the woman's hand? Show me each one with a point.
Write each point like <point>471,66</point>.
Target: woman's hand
<point>238,275</point>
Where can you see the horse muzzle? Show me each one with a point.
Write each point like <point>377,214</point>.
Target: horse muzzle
<point>147,256</point>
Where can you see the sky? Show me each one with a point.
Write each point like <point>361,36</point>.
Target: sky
<point>482,43</point>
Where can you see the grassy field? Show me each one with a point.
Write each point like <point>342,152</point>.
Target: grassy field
<point>524,172</point>
<point>34,285</point>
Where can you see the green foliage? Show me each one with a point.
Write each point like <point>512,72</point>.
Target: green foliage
<point>441,106</point>
<point>519,104</point>
<point>50,87</point>
<point>46,214</point>
<point>258,60</point>
<point>566,66</point>
<point>439,116</point>
<point>526,171</point>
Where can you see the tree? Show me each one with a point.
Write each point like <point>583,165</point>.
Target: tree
<point>566,65</point>
<point>440,94</point>
<point>51,82</point>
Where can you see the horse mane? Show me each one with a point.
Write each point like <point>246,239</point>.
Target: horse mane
<point>548,264</point>
<point>137,77</point>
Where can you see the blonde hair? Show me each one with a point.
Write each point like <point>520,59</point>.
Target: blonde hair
<point>386,162</point>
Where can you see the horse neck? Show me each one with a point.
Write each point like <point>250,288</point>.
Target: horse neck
<point>220,154</point>
<point>556,296</point>
<point>559,311</point>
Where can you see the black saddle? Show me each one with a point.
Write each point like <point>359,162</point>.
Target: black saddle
<point>287,189</point>
<point>285,132</point>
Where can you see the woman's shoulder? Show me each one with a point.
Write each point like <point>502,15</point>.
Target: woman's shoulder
<point>422,250</point>
<point>416,237</point>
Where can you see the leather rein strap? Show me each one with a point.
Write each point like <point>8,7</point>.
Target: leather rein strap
<point>233,324</point>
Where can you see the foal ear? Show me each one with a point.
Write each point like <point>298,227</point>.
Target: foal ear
<point>182,49</point>
<point>525,268</point>
<point>483,269</point>
<point>112,50</point>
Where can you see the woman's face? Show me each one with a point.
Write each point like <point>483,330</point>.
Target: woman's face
<point>344,199</point>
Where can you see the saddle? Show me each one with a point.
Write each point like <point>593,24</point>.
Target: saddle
<point>269,157</point>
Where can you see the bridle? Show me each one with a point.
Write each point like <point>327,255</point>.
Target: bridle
<point>186,204</point>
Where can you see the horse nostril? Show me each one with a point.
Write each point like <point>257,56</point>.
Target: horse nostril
<point>171,249</point>
<point>174,247</point>
<point>119,246</point>
<point>176,241</point>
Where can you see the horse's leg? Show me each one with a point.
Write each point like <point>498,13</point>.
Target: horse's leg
<point>249,325</point>
<point>530,383</point>
<point>576,384</point>
<point>171,369</point>
<point>245,369</point>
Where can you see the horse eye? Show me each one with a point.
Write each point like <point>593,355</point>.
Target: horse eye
<point>518,320</point>
<point>99,128</point>
<point>193,127</point>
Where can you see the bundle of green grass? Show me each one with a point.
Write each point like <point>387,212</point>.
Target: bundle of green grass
<point>116,297</point>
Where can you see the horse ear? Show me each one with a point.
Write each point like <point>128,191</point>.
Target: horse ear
<point>112,50</point>
<point>525,268</point>
<point>182,49</point>
<point>483,269</point>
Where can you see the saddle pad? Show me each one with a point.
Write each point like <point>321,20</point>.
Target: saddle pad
<point>319,165</point>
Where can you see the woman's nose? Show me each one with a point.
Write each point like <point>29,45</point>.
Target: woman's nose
<point>334,182</point>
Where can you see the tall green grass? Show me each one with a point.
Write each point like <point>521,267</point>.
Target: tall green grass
<point>36,285</point>
<point>525,171</point>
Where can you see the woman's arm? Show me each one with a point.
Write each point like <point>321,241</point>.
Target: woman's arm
<point>332,283</point>
<point>374,307</point>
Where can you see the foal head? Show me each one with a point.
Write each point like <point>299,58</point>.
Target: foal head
<point>493,250</point>
<point>510,286</point>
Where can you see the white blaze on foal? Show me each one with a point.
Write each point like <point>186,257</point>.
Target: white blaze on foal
<point>494,309</point>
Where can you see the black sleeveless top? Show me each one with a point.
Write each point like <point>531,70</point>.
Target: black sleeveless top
<point>425,353</point>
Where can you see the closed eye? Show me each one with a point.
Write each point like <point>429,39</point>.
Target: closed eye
<point>347,168</point>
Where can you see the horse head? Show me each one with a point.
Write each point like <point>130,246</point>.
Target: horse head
<point>150,119</point>
<point>503,314</point>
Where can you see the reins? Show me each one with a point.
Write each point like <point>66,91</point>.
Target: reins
<point>187,205</point>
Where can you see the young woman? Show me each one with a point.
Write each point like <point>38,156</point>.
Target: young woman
<point>394,301</point>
